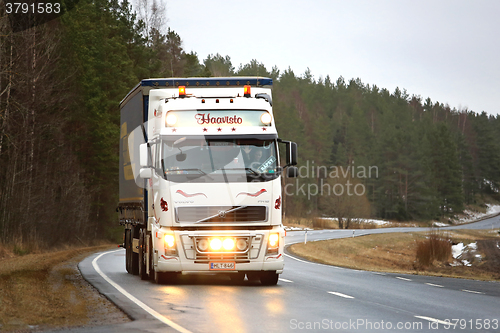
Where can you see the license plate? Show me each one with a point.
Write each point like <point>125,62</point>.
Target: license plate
<point>221,266</point>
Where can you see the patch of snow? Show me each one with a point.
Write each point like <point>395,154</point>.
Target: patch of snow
<point>371,221</point>
<point>470,216</point>
<point>296,228</point>
<point>457,250</point>
<point>492,209</point>
<point>460,251</point>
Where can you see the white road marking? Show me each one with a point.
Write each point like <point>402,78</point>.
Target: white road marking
<point>146,308</point>
<point>434,320</point>
<point>339,294</point>
<point>402,278</point>
<point>435,285</point>
<point>309,262</point>
<point>472,291</point>
<point>285,280</point>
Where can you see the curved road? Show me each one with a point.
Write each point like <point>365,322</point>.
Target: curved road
<point>309,297</point>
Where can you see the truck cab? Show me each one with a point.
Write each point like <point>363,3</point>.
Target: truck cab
<point>207,163</point>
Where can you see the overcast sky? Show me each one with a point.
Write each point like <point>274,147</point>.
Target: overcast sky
<point>447,50</point>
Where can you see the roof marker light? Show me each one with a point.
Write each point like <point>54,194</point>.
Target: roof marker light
<point>182,91</point>
<point>170,119</point>
<point>246,91</point>
<point>266,118</point>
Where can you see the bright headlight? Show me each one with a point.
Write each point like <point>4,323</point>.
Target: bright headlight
<point>169,240</point>
<point>273,240</point>
<point>215,244</point>
<point>228,244</point>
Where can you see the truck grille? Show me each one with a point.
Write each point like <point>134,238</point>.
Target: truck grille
<point>221,214</point>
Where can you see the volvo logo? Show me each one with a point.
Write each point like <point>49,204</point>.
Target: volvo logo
<point>222,214</point>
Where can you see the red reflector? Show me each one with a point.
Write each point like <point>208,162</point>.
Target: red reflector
<point>246,91</point>
<point>182,91</point>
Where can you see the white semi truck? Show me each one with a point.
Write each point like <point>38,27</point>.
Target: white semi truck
<point>200,179</point>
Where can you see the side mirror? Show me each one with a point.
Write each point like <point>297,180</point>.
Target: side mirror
<point>291,153</point>
<point>144,156</point>
<point>292,172</point>
<point>145,173</point>
<point>144,162</point>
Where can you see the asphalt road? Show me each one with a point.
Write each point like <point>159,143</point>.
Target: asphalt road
<point>309,297</point>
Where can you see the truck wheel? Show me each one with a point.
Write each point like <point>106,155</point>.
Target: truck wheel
<point>142,255</point>
<point>165,277</point>
<point>269,278</point>
<point>134,263</point>
<point>128,251</point>
<point>151,259</point>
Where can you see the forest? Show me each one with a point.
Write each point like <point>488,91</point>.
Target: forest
<point>407,157</point>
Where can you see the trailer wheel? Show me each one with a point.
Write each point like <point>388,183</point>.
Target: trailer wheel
<point>269,278</point>
<point>142,255</point>
<point>134,262</point>
<point>128,250</point>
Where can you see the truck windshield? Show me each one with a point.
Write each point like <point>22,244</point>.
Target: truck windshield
<point>205,159</point>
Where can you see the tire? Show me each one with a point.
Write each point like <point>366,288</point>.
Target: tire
<point>269,278</point>
<point>142,255</point>
<point>237,277</point>
<point>128,251</point>
<point>151,260</point>
<point>134,264</point>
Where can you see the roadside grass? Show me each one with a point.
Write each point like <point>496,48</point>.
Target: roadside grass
<point>397,253</point>
<point>45,290</point>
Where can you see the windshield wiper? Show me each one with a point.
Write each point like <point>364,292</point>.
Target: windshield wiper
<point>193,169</point>
<point>246,169</point>
<point>188,169</point>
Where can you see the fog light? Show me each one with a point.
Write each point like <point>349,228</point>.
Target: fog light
<point>203,245</point>
<point>228,244</point>
<point>215,244</point>
<point>241,244</point>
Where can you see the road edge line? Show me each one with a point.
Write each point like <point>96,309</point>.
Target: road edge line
<point>146,308</point>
